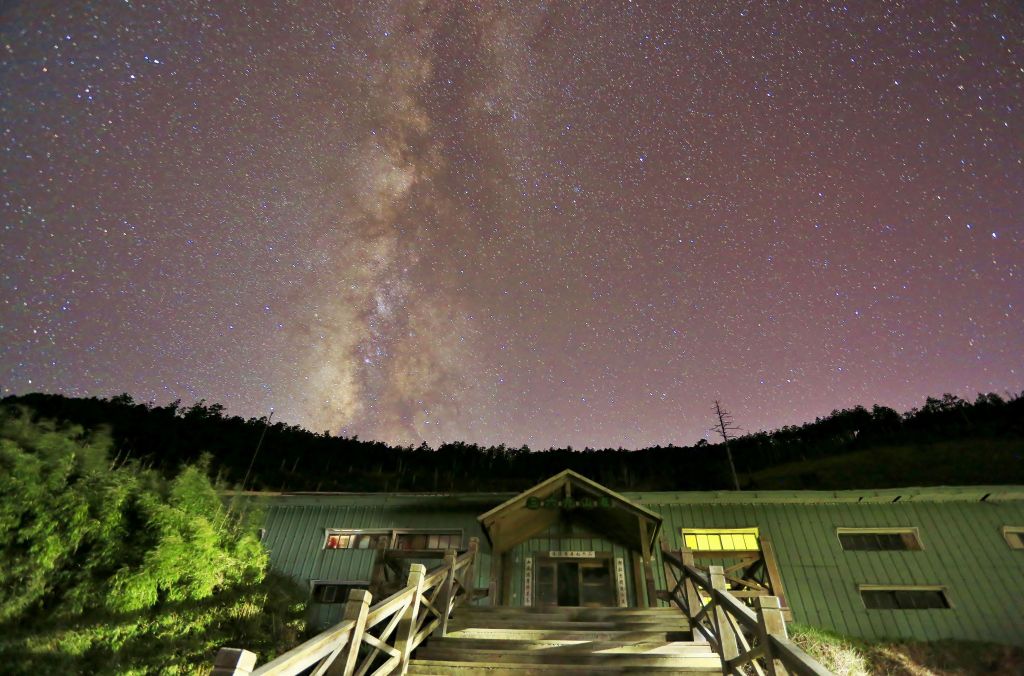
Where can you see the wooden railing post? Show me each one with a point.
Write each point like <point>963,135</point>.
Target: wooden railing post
<point>693,602</point>
<point>356,609</point>
<point>445,598</point>
<point>407,625</point>
<point>469,572</point>
<point>727,645</point>
<point>770,622</point>
<point>234,662</point>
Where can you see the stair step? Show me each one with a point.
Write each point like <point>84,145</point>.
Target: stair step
<point>582,614</point>
<point>667,610</point>
<point>535,633</point>
<point>565,640</point>
<point>437,667</point>
<point>703,658</point>
<point>598,625</point>
<point>546,646</point>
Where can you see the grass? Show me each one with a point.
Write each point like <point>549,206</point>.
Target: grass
<point>846,656</point>
<point>951,463</point>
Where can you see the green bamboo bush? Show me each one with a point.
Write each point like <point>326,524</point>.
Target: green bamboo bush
<point>113,568</point>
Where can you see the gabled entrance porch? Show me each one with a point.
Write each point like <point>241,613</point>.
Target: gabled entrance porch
<point>570,541</point>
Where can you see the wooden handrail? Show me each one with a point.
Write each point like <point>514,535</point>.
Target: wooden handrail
<point>386,608</point>
<point>407,618</point>
<point>746,640</point>
<point>795,659</point>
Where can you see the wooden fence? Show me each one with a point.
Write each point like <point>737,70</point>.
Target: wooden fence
<point>747,641</point>
<point>377,639</point>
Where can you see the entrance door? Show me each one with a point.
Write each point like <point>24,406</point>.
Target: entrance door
<point>577,582</point>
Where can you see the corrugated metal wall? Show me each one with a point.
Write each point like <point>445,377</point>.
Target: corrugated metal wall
<point>963,551</point>
<point>296,526</point>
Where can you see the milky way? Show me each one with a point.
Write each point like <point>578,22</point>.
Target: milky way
<point>514,223</point>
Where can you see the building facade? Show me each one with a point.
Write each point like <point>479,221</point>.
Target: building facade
<point>915,563</point>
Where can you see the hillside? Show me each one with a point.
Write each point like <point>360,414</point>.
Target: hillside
<point>946,441</point>
<point>966,461</point>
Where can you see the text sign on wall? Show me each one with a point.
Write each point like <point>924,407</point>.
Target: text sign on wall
<point>580,554</point>
<point>528,581</point>
<point>555,502</point>
<point>620,582</point>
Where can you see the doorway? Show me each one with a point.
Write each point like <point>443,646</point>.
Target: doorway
<point>575,582</point>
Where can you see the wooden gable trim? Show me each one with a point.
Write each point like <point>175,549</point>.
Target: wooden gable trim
<point>510,523</point>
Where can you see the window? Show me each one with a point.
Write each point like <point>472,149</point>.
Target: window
<point>903,598</point>
<point>334,592</point>
<point>721,539</point>
<point>337,539</point>
<point>406,539</point>
<point>435,540</point>
<point>879,539</point>
<point>1014,536</point>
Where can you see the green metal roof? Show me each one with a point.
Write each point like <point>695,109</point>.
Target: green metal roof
<point>488,500</point>
<point>881,495</point>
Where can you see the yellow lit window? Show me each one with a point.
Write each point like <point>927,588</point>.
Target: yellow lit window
<point>721,539</point>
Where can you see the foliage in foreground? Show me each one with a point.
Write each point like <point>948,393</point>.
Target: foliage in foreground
<point>845,656</point>
<point>117,570</point>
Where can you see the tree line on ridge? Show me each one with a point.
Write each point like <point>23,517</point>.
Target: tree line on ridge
<point>293,459</point>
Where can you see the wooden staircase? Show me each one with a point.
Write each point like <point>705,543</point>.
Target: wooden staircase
<point>431,627</point>
<point>565,640</point>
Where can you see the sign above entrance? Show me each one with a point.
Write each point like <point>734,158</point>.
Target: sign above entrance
<point>555,502</point>
<point>576,554</point>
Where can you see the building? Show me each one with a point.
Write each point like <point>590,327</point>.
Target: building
<point>915,563</point>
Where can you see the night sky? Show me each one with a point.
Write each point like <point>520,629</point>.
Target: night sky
<point>520,222</point>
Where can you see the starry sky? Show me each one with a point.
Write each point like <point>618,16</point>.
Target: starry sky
<point>513,222</point>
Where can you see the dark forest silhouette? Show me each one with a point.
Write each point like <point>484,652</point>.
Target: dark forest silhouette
<point>294,459</point>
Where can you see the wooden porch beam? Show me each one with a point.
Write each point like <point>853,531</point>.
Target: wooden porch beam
<point>771,565</point>
<point>645,553</point>
<point>638,580</point>
<point>494,586</point>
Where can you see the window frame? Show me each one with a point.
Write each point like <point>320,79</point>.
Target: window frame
<point>731,532</point>
<point>1011,533</point>
<point>942,589</point>
<point>392,536</point>
<point>351,584</point>
<point>447,532</point>
<point>913,531</point>
<point>376,532</point>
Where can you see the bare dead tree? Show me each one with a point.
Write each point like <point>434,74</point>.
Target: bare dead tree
<point>724,427</point>
<point>259,444</point>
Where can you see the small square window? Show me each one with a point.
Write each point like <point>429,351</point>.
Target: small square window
<point>904,598</point>
<point>335,592</point>
<point>879,539</point>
